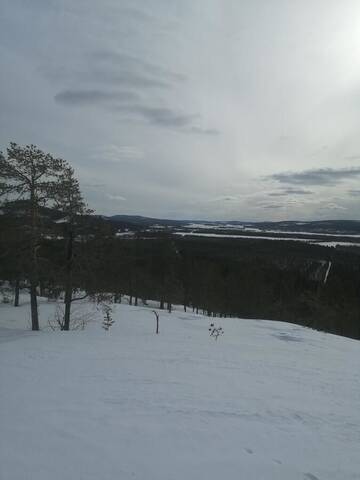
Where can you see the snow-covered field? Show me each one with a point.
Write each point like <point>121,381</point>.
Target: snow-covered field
<point>268,400</point>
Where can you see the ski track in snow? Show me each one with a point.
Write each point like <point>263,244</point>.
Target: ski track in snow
<point>268,400</point>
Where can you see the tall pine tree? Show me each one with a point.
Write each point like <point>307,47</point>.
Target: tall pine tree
<point>27,173</point>
<point>69,201</point>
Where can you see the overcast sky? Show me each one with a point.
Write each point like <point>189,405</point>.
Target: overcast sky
<point>207,109</point>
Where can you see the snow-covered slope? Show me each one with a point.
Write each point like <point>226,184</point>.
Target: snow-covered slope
<point>268,400</point>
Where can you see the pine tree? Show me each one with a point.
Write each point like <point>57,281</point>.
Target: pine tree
<point>30,174</point>
<point>69,201</point>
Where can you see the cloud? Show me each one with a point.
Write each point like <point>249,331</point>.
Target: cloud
<point>126,102</point>
<point>93,97</point>
<point>290,191</point>
<point>332,206</point>
<point>204,131</point>
<point>321,176</point>
<point>167,117</point>
<point>130,63</point>
<point>130,79</point>
<point>352,157</point>
<point>225,198</point>
<point>354,192</point>
<point>111,74</point>
<point>117,198</point>
<point>271,206</point>
<point>282,203</point>
<point>162,116</point>
<point>108,68</point>
<point>118,153</point>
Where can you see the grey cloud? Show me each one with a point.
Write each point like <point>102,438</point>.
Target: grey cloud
<point>118,198</point>
<point>204,131</point>
<point>108,67</point>
<point>167,117</point>
<point>354,192</point>
<point>290,191</point>
<point>162,116</point>
<point>332,206</point>
<point>114,68</point>
<point>135,64</point>
<point>321,176</point>
<point>92,97</point>
<point>96,74</point>
<point>117,154</point>
<point>352,157</point>
<point>126,102</point>
<point>225,198</point>
<point>271,206</point>
<point>282,203</point>
<point>126,78</point>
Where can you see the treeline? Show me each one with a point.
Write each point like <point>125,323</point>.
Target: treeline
<point>224,277</point>
<point>254,279</point>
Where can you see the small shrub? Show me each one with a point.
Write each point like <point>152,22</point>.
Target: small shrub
<point>215,332</point>
<point>6,295</point>
<point>81,315</point>
<point>108,321</point>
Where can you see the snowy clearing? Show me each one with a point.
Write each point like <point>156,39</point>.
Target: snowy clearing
<point>268,400</point>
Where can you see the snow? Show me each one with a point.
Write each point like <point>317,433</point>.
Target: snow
<point>268,400</point>
<point>126,233</point>
<point>309,234</point>
<point>62,220</point>
<point>255,237</point>
<point>262,237</point>
<point>327,271</point>
<point>334,244</point>
<point>204,226</point>
<point>266,231</point>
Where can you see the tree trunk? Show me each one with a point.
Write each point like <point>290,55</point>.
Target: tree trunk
<point>161,304</point>
<point>34,277</point>
<point>67,302</point>
<point>34,308</point>
<point>157,321</point>
<point>41,289</point>
<point>17,292</point>
<point>68,282</point>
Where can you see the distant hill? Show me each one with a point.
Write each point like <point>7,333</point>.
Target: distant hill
<point>143,222</point>
<point>317,226</point>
